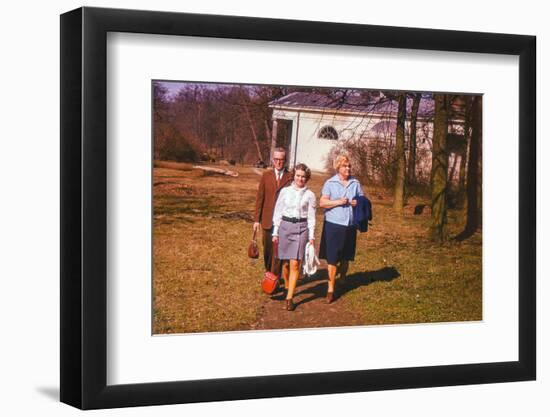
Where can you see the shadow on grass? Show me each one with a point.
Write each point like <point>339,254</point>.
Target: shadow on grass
<point>347,284</point>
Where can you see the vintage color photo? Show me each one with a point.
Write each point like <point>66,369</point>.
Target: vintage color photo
<point>284,207</point>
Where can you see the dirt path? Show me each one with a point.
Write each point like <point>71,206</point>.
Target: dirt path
<point>311,308</point>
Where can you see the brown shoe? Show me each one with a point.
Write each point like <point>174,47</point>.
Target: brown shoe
<point>330,297</point>
<point>290,306</point>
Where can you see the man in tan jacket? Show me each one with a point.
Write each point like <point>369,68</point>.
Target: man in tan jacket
<point>271,183</point>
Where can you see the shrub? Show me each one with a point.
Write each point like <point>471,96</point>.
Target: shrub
<point>370,160</point>
<point>171,145</point>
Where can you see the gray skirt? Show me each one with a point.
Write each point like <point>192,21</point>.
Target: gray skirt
<point>293,238</point>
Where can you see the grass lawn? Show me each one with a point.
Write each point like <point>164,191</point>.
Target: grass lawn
<point>204,281</point>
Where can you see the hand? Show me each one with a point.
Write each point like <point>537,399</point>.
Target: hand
<point>312,241</point>
<point>343,201</point>
<point>275,239</point>
<point>353,203</point>
<point>256,227</point>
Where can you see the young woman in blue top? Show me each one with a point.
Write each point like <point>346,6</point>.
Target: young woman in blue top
<point>339,235</point>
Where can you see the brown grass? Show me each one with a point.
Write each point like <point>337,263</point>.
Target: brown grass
<point>203,280</point>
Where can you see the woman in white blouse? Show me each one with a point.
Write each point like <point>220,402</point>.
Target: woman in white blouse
<point>294,226</point>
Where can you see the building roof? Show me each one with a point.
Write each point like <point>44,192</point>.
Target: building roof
<point>350,101</point>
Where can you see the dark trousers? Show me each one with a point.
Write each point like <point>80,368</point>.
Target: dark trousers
<point>268,253</point>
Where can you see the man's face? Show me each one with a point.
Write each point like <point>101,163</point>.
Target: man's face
<point>279,160</point>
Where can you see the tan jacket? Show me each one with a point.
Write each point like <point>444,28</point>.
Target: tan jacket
<point>266,197</point>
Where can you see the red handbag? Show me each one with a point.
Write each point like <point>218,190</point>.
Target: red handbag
<point>271,280</point>
<point>253,251</point>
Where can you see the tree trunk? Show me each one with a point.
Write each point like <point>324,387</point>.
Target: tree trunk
<point>462,175</point>
<point>464,155</point>
<point>399,191</point>
<point>411,170</point>
<point>439,169</point>
<point>452,172</point>
<point>214,170</point>
<point>254,136</point>
<point>198,115</point>
<point>473,214</point>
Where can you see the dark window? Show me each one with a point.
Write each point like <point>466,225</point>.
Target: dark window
<point>328,132</point>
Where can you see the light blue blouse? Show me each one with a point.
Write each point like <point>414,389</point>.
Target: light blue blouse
<point>334,189</point>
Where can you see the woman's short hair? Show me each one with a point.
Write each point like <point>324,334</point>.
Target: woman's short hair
<point>340,160</point>
<point>302,167</point>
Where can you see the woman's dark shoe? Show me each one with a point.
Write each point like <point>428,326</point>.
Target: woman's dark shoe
<point>290,306</point>
<point>330,297</point>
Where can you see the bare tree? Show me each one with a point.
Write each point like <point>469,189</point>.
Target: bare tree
<point>411,170</point>
<point>439,169</point>
<point>399,189</point>
<point>253,130</point>
<point>473,181</point>
<point>464,155</point>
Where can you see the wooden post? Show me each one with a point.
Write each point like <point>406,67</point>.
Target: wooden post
<point>273,139</point>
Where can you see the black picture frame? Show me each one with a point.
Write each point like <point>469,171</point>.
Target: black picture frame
<point>84,207</point>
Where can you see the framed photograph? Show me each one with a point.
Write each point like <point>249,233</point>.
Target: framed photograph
<point>257,208</point>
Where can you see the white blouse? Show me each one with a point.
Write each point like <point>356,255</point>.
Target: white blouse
<point>297,203</point>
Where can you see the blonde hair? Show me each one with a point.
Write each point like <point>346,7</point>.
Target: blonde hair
<point>340,159</point>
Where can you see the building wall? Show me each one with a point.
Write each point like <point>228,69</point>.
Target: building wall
<point>307,147</point>
<point>313,150</point>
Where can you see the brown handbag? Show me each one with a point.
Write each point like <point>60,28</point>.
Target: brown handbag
<point>253,251</point>
<point>271,280</point>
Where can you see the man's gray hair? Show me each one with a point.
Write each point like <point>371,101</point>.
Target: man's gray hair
<point>279,149</point>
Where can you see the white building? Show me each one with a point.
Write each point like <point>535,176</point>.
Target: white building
<point>317,122</point>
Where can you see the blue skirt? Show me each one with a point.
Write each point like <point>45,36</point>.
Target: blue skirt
<point>337,243</point>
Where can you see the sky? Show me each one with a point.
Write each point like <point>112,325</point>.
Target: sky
<point>173,87</point>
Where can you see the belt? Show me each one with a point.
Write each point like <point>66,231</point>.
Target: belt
<point>294,219</point>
